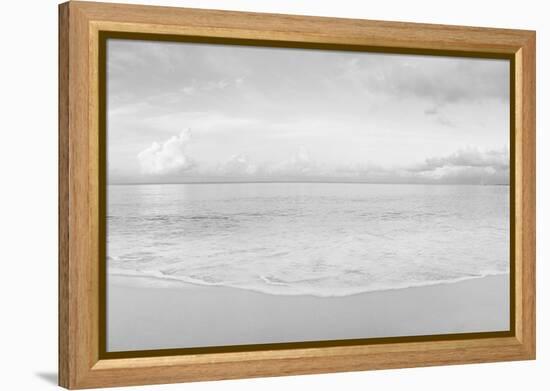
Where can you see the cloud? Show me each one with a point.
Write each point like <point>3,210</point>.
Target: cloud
<point>170,160</point>
<point>299,164</point>
<point>211,85</point>
<point>440,80</point>
<point>431,111</point>
<point>239,165</point>
<point>190,90</point>
<point>168,157</point>
<point>470,157</point>
<point>466,166</point>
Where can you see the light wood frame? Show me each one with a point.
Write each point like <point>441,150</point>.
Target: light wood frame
<point>80,154</point>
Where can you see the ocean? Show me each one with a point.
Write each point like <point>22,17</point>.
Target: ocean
<point>320,239</point>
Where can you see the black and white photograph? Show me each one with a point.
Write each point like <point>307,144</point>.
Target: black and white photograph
<point>264,195</point>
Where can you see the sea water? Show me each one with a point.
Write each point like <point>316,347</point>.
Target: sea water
<point>322,239</point>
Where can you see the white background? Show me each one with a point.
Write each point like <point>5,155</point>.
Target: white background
<point>28,215</point>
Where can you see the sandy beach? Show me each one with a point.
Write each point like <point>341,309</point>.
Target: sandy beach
<point>143,316</point>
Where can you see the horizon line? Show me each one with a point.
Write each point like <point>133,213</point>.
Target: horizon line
<point>304,182</point>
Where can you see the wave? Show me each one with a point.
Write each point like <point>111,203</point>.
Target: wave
<point>159,275</point>
<point>279,287</point>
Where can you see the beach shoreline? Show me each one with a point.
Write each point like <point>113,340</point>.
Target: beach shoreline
<point>141,315</point>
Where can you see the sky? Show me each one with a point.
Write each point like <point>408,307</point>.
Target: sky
<point>182,112</point>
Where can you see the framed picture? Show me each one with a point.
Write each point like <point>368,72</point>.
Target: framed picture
<point>248,195</point>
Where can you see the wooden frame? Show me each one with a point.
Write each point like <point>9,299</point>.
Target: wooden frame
<point>80,155</point>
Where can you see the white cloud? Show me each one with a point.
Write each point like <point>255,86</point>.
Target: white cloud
<point>239,165</point>
<point>190,90</point>
<point>168,157</point>
<point>299,164</point>
<point>209,86</point>
<point>470,157</point>
<point>467,166</point>
<point>441,80</point>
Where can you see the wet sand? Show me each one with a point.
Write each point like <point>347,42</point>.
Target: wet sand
<point>142,315</point>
